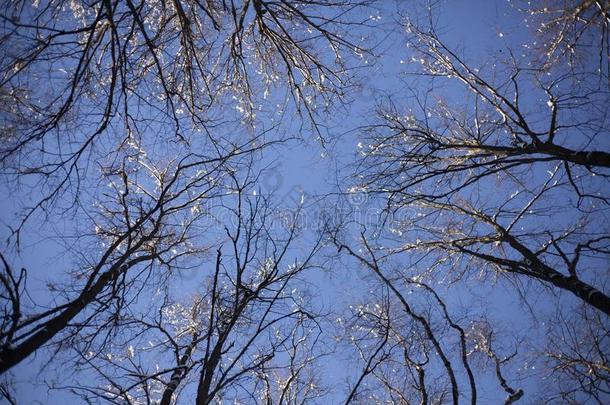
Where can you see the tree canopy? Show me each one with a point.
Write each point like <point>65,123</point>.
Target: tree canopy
<point>304,202</point>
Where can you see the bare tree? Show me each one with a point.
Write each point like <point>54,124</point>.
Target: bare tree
<point>499,170</point>
<point>514,180</point>
<point>141,231</point>
<point>134,134</point>
<point>577,354</point>
<point>121,120</point>
<point>568,30</point>
<point>122,74</point>
<point>249,332</point>
<point>413,349</point>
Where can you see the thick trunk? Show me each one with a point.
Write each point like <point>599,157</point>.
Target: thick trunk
<point>11,357</point>
<point>585,158</point>
<point>540,270</point>
<point>535,268</point>
<point>582,290</point>
<point>205,379</point>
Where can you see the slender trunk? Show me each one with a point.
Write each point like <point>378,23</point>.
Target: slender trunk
<point>178,373</point>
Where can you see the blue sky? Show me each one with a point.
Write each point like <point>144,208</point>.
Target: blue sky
<point>304,171</point>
